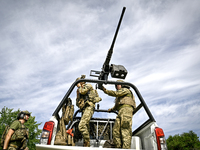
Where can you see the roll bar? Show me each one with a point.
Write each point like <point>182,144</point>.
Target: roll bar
<point>143,104</point>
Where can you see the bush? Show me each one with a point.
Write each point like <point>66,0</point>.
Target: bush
<point>185,141</point>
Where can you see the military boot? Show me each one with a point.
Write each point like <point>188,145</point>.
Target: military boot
<point>86,144</point>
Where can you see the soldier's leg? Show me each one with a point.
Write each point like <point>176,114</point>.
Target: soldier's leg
<point>84,123</point>
<point>126,127</point>
<point>116,133</point>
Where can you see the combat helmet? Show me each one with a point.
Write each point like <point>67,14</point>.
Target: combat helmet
<point>21,114</point>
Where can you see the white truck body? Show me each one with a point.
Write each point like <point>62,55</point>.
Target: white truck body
<point>144,140</point>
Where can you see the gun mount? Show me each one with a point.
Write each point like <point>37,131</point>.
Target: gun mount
<point>116,71</point>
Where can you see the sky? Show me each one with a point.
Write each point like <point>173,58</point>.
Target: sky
<point>46,45</point>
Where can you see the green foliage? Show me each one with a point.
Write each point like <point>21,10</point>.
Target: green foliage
<point>7,116</point>
<point>185,141</point>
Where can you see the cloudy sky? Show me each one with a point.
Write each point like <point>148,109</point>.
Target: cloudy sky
<point>46,45</point>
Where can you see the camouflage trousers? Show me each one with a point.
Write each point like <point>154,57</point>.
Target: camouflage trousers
<point>122,130</point>
<point>11,148</point>
<point>84,127</point>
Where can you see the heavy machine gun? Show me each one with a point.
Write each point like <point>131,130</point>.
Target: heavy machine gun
<point>116,71</point>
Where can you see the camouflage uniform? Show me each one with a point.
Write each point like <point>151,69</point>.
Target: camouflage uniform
<point>86,99</point>
<point>124,104</point>
<point>18,139</point>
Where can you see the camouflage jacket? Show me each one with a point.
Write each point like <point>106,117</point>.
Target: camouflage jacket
<point>87,95</point>
<point>123,96</point>
<point>20,135</point>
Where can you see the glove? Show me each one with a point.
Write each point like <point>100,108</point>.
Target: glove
<point>78,85</point>
<point>102,88</point>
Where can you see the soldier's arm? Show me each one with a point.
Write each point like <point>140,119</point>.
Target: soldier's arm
<point>117,93</point>
<point>114,108</point>
<point>8,137</point>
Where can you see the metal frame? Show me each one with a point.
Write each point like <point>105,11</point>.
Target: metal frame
<point>142,104</point>
<point>76,119</point>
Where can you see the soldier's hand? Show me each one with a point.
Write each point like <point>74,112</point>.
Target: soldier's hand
<point>82,76</point>
<point>102,88</point>
<point>79,85</point>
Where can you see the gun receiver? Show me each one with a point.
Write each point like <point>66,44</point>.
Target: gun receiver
<point>117,71</point>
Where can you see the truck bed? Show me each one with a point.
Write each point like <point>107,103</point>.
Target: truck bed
<point>143,140</point>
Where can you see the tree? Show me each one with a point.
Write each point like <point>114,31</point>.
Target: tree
<point>7,116</point>
<point>185,141</point>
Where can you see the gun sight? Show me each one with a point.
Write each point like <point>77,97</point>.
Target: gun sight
<point>116,71</point>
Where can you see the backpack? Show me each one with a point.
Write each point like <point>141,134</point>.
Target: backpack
<point>3,137</point>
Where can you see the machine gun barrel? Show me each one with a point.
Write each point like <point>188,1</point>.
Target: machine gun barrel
<point>110,51</point>
<point>106,67</point>
<point>117,71</point>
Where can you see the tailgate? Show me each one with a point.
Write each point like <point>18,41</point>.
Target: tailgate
<point>54,147</point>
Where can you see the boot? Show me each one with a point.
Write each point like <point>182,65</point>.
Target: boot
<point>86,144</point>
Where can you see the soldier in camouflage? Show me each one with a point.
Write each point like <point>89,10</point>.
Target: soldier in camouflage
<point>124,104</point>
<point>17,135</point>
<point>86,99</point>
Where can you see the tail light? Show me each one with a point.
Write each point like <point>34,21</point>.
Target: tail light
<point>47,133</point>
<point>160,137</point>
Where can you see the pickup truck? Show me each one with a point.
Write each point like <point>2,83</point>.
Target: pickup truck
<point>146,134</point>
<point>64,135</point>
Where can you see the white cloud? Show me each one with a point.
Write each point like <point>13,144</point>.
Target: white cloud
<point>46,46</point>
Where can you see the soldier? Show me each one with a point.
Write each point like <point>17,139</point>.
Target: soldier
<point>86,99</point>
<point>124,104</point>
<point>17,135</point>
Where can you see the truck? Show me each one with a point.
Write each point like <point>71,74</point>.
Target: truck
<point>61,131</point>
